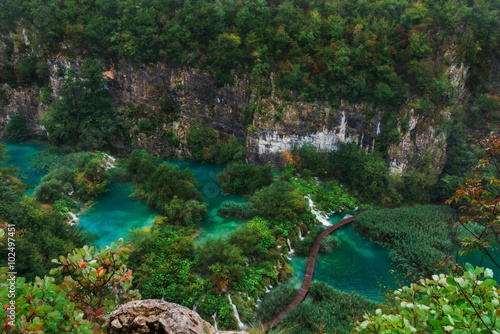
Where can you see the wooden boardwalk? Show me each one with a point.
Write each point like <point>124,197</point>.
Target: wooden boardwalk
<point>309,273</point>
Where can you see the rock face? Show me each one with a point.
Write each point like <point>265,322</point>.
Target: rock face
<point>274,124</point>
<point>159,317</point>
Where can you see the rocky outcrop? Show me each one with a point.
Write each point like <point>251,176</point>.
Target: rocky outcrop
<point>315,123</point>
<point>277,124</point>
<point>156,316</point>
<point>424,142</point>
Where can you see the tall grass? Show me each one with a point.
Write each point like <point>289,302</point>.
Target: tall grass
<point>417,237</point>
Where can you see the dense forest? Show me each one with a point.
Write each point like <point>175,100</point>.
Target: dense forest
<point>387,56</point>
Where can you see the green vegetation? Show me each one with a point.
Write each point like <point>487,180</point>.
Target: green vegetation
<point>459,303</point>
<point>327,311</point>
<point>86,181</point>
<point>352,49</point>
<point>94,283</point>
<point>83,115</point>
<point>167,265</point>
<point>52,158</point>
<point>366,174</point>
<point>175,193</point>
<point>244,179</point>
<point>282,202</point>
<point>41,233</point>
<point>303,247</point>
<point>208,146</point>
<point>329,198</point>
<point>17,129</point>
<point>275,301</point>
<point>417,237</point>
<point>235,209</point>
<point>312,160</point>
<point>481,199</point>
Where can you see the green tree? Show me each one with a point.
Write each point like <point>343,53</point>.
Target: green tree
<point>279,202</point>
<point>83,114</point>
<point>17,129</point>
<point>244,179</point>
<point>184,213</point>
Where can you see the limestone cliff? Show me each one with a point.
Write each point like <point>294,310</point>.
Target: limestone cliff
<point>275,124</point>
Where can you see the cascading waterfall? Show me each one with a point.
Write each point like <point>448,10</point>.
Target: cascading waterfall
<point>289,246</point>
<point>74,218</point>
<point>108,161</point>
<point>215,321</point>
<point>300,234</point>
<point>319,216</point>
<point>194,307</point>
<point>236,314</point>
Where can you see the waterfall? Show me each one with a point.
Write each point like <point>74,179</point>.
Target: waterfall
<point>323,219</point>
<point>215,321</point>
<point>108,161</point>
<point>300,234</point>
<point>289,246</point>
<point>378,127</point>
<point>74,218</point>
<point>194,307</point>
<point>236,314</point>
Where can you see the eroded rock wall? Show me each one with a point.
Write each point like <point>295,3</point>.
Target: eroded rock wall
<point>277,125</point>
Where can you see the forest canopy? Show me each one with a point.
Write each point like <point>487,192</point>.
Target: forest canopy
<point>359,50</point>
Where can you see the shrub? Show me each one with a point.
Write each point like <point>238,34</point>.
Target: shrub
<point>145,125</point>
<point>367,174</point>
<point>183,213</point>
<point>327,308</point>
<point>465,303</point>
<point>51,191</point>
<point>64,205</point>
<point>235,209</point>
<point>280,202</point>
<point>17,129</point>
<point>53,158</point>
<point>244,179</point>
<point>313,160</point>
<point>200,139</point>
<point>223,152</point>
<point>276,301</point>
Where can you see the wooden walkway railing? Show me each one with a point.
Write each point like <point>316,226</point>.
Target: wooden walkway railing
<point>309,273</point>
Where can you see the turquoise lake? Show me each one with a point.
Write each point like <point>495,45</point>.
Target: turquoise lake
<point>357,265</point>
<point>20,153</point>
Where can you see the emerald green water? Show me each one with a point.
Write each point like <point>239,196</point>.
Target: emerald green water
<point>357,265</point>
<point>20,154</point>
<point>114,214</point>
<point>213,226</point>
